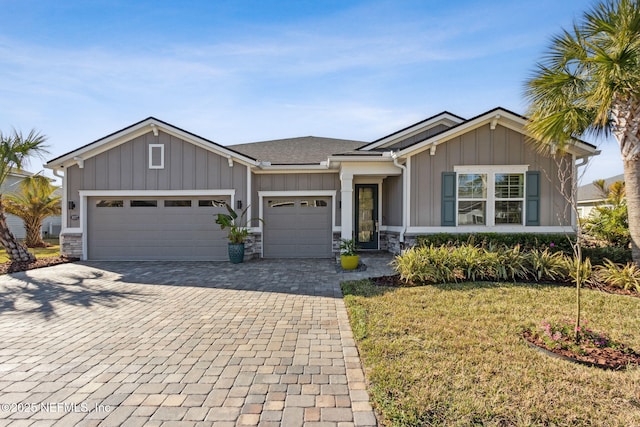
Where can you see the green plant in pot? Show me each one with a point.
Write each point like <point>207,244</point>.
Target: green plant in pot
<point>238,226</point>
<point>349,257</point>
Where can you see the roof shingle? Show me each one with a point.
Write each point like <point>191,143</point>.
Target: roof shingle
<point>297,151</point>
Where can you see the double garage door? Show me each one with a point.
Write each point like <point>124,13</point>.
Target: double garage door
<point>156,228</point>
<point>184,228</point>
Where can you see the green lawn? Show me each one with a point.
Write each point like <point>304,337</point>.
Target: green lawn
<point>53,250</point>
<point>452,355</point>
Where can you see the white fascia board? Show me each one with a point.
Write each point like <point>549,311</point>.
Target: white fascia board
<point>140,129</point>
<point>273,171</point>
<point>20,174</point>
<point>383,157</point>
<point>291,168</point>
<point>444,118</point>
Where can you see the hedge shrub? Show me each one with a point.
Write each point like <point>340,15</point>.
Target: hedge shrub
<point>554,242</point>
<point>441,264</point>
<point>527,241</point>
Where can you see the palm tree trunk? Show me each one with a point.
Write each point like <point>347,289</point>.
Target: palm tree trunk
<point>33,226</point>
<point>632,185</point>
<point>16,251</point>
<point>625,115</point>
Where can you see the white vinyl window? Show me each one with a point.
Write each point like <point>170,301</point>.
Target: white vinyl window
<point>472,198</point>
<point>156,156</point>
<point>509,198</point>
<point>490,195</point>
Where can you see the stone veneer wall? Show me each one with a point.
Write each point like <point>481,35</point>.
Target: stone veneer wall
<point>390,242</point>
<point>336,243</point>
<point>253,246</point>
<point>71,245</point>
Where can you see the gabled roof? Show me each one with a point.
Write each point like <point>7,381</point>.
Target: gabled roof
<point>304,150</point>
<point>20,173</point>
<point>590,192</point>
<point>445,118</point>
<point>494,117</point>
<point>150,124</point>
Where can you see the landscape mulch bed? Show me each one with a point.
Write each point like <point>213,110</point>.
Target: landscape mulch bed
<point>604,358</point>
<point>14,267</point>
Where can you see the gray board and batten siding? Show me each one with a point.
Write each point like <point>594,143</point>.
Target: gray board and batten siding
<point>283,182</point>
<point>126,167</point>
<point>482,146</point>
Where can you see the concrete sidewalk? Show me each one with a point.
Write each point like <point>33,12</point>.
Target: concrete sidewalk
<point>265,343</point>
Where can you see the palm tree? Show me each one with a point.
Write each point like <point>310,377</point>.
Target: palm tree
<point>614,193</point>
<point>33,203</point>
<point>15,149</point>
<point>589,82</point>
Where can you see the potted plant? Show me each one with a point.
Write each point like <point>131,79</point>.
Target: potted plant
<point>238,231</point>
<point>349,258</point>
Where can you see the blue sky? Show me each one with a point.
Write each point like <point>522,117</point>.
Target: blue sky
<point>244,71</point>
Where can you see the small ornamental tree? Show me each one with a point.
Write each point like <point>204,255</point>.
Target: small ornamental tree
<point>15,150</point>
<point>34,202</point>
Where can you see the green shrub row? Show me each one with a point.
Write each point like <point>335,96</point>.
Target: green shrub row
<point>555,242</point>
<point>465,262</point>
<point>527,241</point>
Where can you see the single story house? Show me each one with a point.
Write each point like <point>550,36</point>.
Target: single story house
<point>590,196</point>
<point>149,191</point>
<point>50,226</point>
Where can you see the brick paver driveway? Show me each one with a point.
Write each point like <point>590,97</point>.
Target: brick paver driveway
<point>263,343</point>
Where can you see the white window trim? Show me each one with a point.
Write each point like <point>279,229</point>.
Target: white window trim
<point>491,171</point>
<point>151,165</point>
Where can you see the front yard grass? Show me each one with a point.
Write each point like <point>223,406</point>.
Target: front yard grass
<point>53,250</point>
<point>453,355</point>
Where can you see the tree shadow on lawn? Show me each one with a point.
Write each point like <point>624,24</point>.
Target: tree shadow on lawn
<point>23,293</point>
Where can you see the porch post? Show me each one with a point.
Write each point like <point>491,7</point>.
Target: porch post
<point>347,205</point>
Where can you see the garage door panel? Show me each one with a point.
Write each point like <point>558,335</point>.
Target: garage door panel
<point>155,233</point>
<point>293,230</point>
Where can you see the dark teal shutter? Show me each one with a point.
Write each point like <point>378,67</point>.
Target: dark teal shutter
<point>533,198</point>
<point>448,199</point>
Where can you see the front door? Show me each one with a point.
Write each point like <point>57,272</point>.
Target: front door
<point>367,216</point>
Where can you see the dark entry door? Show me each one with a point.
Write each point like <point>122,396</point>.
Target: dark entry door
<point>367,216</point>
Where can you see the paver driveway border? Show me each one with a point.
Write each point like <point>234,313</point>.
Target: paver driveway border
<point>265,343</point>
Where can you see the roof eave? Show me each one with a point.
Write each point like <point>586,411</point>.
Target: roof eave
<point>493,117</point>
<point>150,124</point>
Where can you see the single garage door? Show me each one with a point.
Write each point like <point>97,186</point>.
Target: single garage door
<point>297,227</point>
<point>156,228</point>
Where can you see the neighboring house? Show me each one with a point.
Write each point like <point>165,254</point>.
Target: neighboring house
<point>149,191</point>
<point>51,225</point>
<point>589,196</point>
